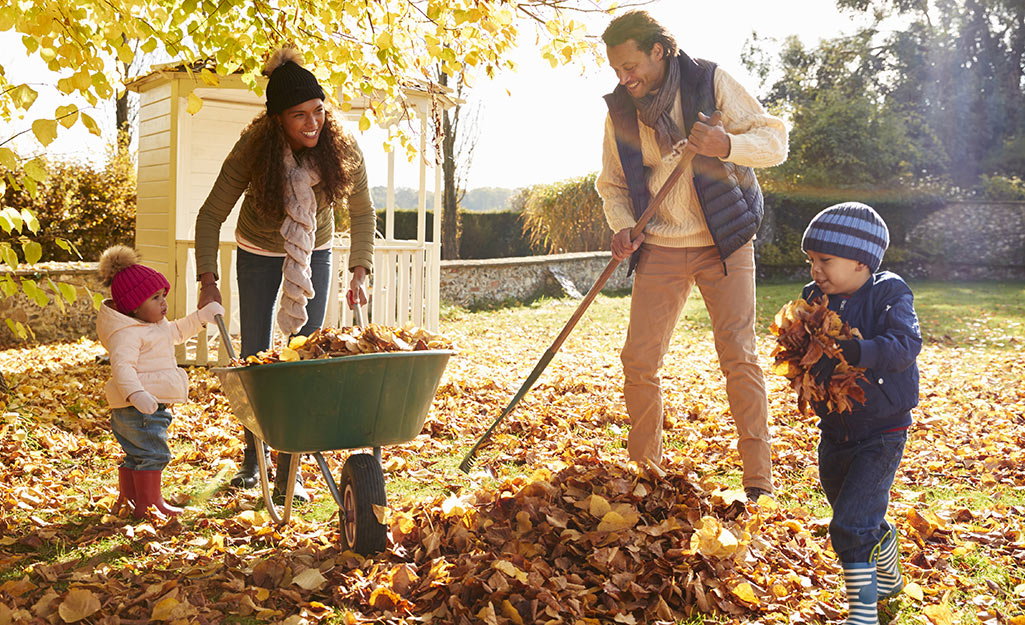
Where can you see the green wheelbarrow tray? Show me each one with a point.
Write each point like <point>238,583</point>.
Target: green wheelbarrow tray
<point>365,400</point>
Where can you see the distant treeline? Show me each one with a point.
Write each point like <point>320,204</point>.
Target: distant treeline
<point>476,200</point>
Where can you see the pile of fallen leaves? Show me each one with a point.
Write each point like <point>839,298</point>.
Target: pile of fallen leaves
<point>347,341</point>
<point>807,332</point>
<point>594,542</point>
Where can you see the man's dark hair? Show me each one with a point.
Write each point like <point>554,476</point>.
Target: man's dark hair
<point>643,29</point>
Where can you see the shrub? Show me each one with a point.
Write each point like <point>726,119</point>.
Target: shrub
<point>566,216</point>
<point>90,207</point>
<point>1002,188</point>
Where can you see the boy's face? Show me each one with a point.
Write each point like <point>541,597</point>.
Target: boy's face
<point>153,309</point>
<point>836,275</point>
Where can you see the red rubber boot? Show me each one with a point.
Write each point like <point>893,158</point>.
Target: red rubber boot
<point>126,491</point>
<point>147,494</point>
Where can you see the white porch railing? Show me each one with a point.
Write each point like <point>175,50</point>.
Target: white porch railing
<point>403,290</point>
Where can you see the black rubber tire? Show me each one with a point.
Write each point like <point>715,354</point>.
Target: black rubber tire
<point>362,487</point>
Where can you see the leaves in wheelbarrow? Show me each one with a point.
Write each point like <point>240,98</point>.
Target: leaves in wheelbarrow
<point>807,332</point>
<point>337,342</point>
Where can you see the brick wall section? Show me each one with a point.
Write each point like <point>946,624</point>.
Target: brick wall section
<point>963,241</point>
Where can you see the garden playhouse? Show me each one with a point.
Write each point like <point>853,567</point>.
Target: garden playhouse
<point>180,155</point>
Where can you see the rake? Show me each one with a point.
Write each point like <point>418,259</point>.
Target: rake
<point>635,232</point>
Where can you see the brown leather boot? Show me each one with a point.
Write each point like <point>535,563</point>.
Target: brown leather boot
<point>147,495</point>
<point>126,491</point>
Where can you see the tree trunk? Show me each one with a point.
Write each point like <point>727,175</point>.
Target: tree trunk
<point>450,207</point>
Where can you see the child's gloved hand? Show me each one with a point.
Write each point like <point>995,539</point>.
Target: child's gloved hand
<point>211,310</point>
<point>822,370</point>
<point>143,402</point>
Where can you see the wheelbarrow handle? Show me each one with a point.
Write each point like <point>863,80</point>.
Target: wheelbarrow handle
<point>357,313</point>
<point>225,339</point>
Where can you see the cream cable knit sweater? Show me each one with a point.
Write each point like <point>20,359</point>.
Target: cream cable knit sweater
<point>757,140</point>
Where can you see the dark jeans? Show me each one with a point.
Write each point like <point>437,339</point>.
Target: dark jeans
<point>259,278</point>
<point>143,437</point>
<point>856,477</point>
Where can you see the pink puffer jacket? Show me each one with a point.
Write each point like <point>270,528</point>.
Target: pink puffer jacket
<point>142,355</point>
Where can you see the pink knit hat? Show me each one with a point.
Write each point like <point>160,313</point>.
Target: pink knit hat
<point>131,284</point>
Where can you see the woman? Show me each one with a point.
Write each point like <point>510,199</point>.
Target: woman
<point>296,166</point>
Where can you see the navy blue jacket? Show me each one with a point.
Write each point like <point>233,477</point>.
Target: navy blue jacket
<point>883,310</point>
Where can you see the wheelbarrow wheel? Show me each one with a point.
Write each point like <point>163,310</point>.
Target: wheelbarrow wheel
<point>362,487</point>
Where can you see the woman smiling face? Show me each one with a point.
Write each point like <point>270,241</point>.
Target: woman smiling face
<point>302,123</point>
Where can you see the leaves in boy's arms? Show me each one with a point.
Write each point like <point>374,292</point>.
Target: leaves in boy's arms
<point>336,342</point>
<point>806,333</point>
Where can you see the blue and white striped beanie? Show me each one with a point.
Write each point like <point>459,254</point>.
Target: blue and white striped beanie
<point>848,230</point>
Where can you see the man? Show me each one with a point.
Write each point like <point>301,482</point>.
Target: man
<point>703,232</point>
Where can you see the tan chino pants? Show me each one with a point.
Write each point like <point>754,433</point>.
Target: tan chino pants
<point>663,280</point>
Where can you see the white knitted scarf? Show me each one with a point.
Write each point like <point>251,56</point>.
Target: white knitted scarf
<point>299,231</point>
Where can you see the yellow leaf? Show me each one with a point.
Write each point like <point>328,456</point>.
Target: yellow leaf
<point>510,612</point>
<point>599,506</point>
<point>914,591</point>
<point>616,522</point>
<point>67,115</point>
<point>453,506</point>
<point>938,614</point>
<point>209,78</point>
<point>289,355</point>
<point>745,593</point>
<point>262,593</point>
<point>1016,620</point>
<point>195,103</point>
<point>23,96</point>
<point>510,569</point>
<point>310,579</point>
<point>164,608</point>
<point>383,514</point>
<point>45,130</point>
<point>297,342</point>
<point>364,123</point>
<point>78,604</point>
<point>91,125</point>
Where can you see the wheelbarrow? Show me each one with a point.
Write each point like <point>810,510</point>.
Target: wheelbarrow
<point>329,404</point>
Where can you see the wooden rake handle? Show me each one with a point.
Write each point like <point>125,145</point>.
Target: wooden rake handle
<point>596,288</point>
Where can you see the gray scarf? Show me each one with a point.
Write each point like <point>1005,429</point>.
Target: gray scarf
<point>655,109</point>
<point>299,230</point>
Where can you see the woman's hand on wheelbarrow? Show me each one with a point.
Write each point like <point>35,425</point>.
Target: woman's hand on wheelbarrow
<point>208,291</point>
<point>357,291</point>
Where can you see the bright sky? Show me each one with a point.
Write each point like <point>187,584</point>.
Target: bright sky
<point>539,124</point>
<point>548,127</point>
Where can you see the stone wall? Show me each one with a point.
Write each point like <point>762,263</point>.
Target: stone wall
<point>481,282</point>
<point>971,241</point>
<point>48,323</point>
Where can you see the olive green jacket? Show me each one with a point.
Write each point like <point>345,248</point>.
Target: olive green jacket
<point>233,180</point>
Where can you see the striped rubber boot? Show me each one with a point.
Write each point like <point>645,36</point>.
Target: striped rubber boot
<point>889,580</point>
<point>861,593</point>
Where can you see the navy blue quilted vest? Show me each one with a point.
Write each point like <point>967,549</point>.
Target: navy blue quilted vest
<point>730,197</point>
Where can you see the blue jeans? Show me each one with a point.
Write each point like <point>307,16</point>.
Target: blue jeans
<point>143,437</point>
<point>856,477</point>
<point>259,278</point>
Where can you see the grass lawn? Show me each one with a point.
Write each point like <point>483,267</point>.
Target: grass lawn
<point>958,501</point>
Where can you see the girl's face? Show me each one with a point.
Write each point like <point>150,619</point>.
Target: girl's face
<point>153,309</point>
<point>302,123</point>
<point>836,275</point>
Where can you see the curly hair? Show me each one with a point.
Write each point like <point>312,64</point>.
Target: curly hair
<point>336,154</point>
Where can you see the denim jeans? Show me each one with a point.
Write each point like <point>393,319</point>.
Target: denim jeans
<point>856,477</point>
<point>143,437</point>
<point>259,279</point>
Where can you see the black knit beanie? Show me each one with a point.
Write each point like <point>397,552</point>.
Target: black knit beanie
<point>290,84</point>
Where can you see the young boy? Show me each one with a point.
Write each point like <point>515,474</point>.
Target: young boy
<point>859,451</point>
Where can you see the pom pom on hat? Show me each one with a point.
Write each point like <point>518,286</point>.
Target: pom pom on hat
<point>289,83</point>
<point>130,283</point>
<point>848,230</point>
